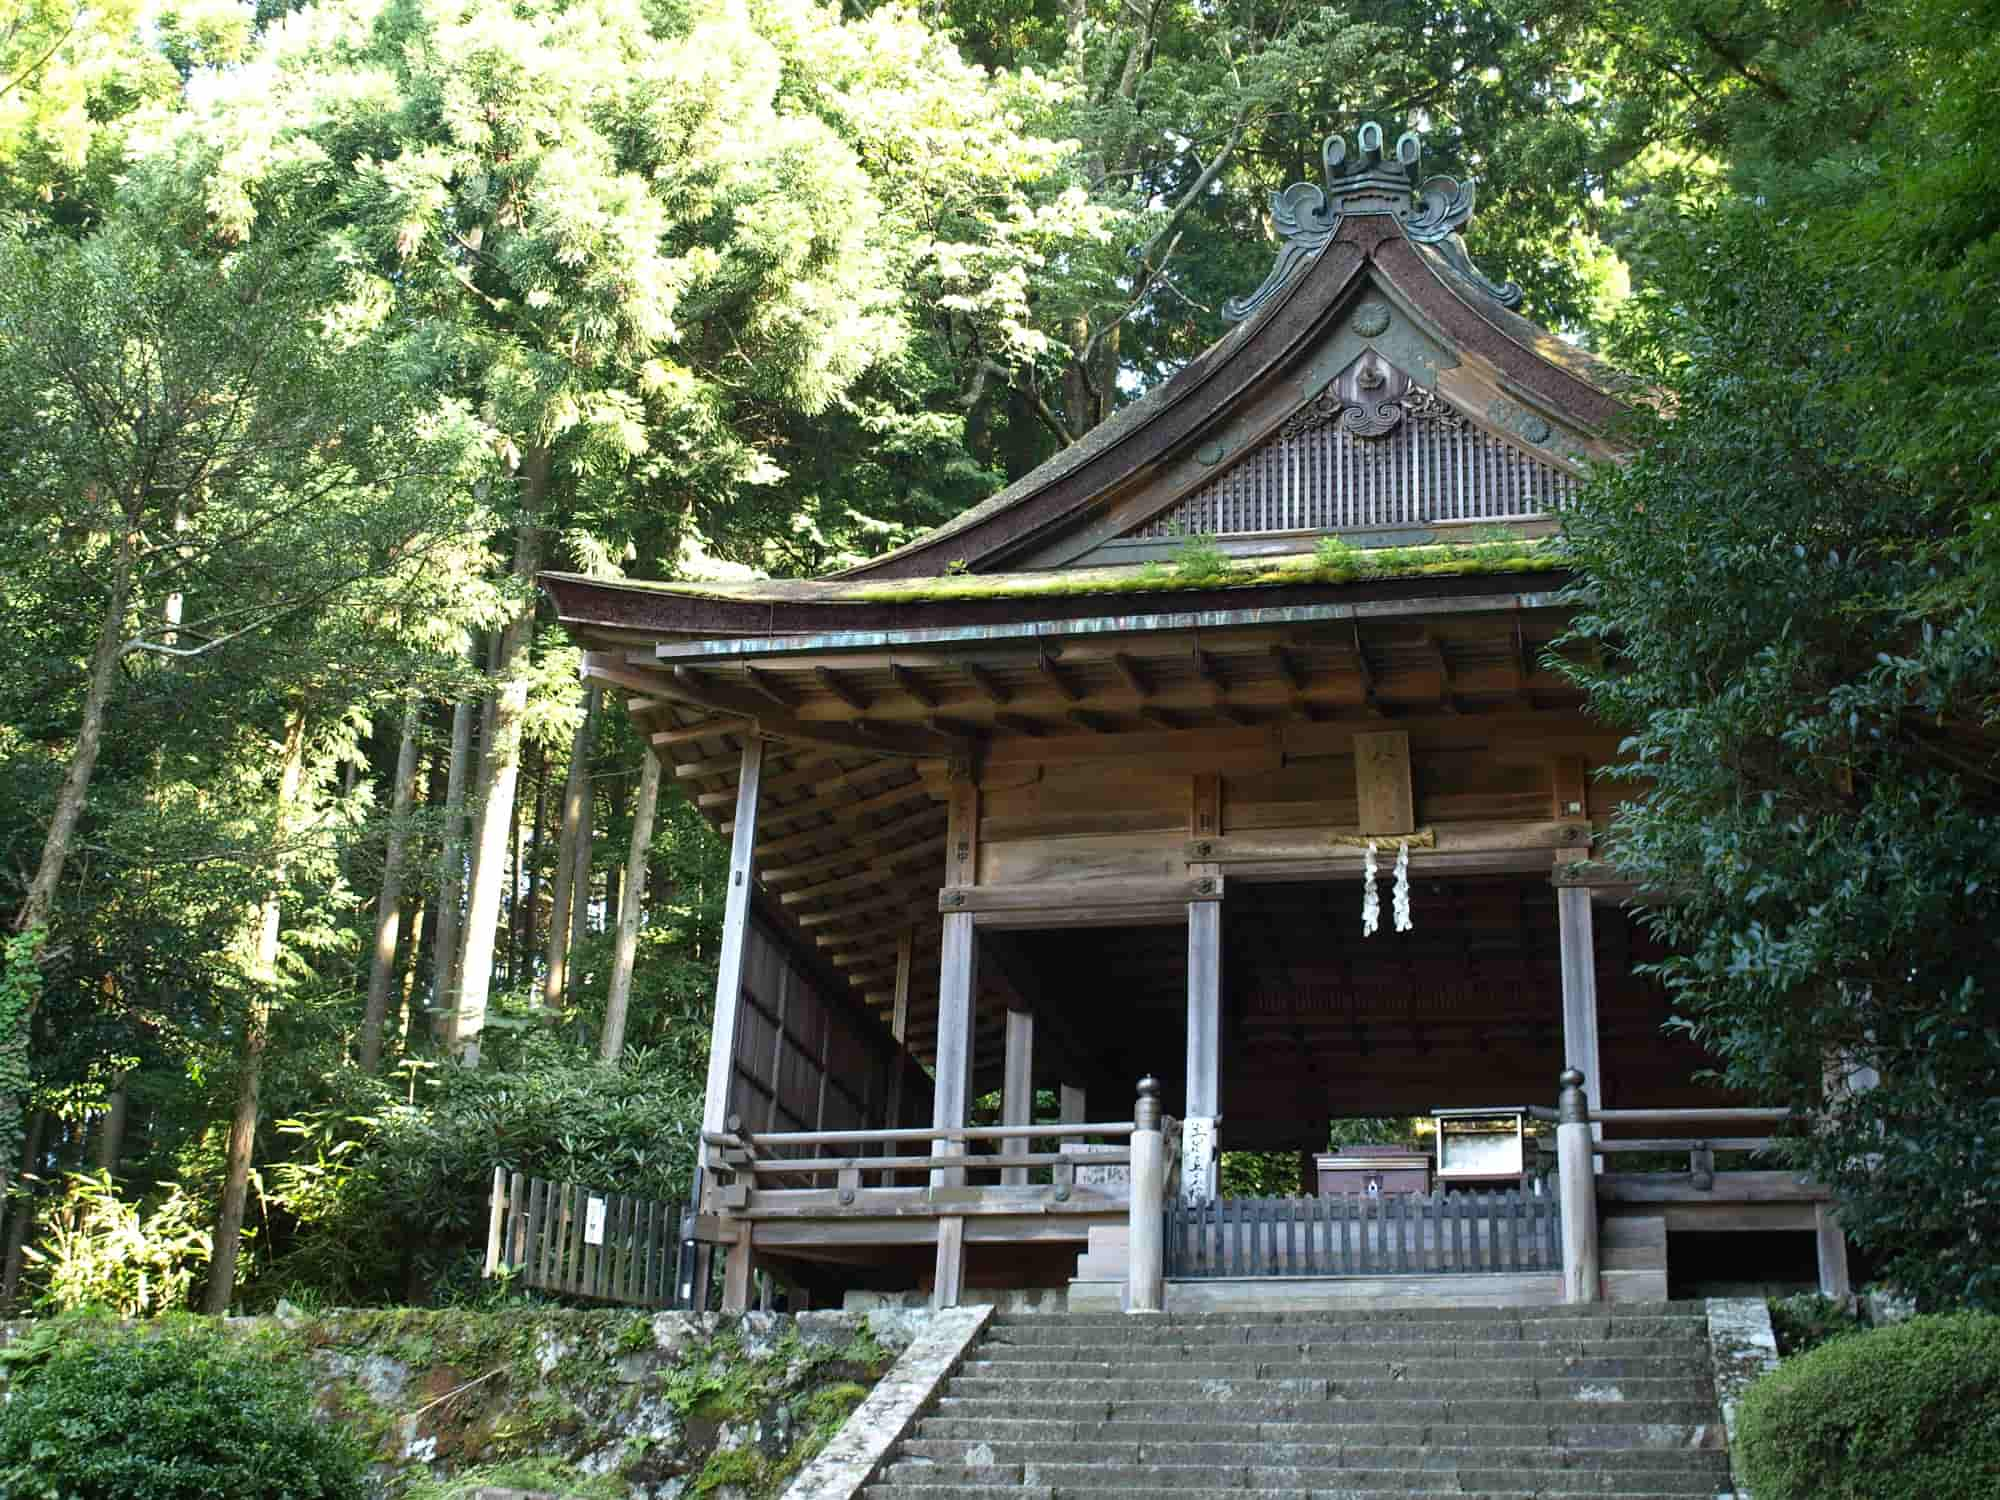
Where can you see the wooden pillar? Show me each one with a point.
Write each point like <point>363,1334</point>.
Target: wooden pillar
<point>735,938</point>
<point>729,1000</point>
<point>1146,1253</point>
<point>957,984</point>
<point>899,1027</point>
<point>1832,1247</point>
<point>1578,938</point>
<point>1074,1103</point>
<point>1204,1049</point>
<point>1017,1091</point>
<point>1578,1187</point>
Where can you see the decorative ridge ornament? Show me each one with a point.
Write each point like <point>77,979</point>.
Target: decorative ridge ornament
<point>1432,213</point>
<point>1370,399</point>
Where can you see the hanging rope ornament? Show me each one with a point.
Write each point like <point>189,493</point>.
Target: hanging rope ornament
<point>1371,902</point>
<point>1399,902</point>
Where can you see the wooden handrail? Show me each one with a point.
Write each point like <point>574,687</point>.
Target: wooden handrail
<point>746,1140</point>
<point>781,1166</point>
<point>1684,1116</point>
<point>1686,1143</point>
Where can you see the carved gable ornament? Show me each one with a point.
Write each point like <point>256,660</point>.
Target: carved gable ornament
<point>1372,451</point>
<point>1431,212</point>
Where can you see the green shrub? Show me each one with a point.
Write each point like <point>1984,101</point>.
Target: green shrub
<point>1199,560</point>
<point>1807,1320</point>
<point>1909,1410</point>
<point>179,1415</point>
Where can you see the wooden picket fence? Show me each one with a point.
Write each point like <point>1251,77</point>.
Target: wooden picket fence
<point>1356,1235</point>
<point>558,1237</point>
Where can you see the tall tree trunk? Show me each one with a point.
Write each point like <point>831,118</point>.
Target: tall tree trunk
<point>256,1036</point>
<point>420,920</point>
<point>20,1207</point>
<point>499,766</point>
<point>447,952</point>
<point>616,793</point>
<point>531,903</point>
<point>611,1045</point>
<point>111,1128</point>
<point>70,799</point>
<point>575,813</point>
<point>389,903</point>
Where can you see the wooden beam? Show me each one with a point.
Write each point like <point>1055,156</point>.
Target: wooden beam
<point>1060,680</point>
<point>913,685</point>
<point>1567,788</point>
<point>1059,896</point>
<point>842,811</point>
<point>1135,676</point>
<point>1289,668</point>
<point>769,685</point>
<point>962,835</point>
<point>1017,724</point>
<point>809,772</point>
<point>1577,938</point>
<point>1096,723</point>
<point>989,685</point>
<point>1203,1097</point>
<point>1204,805</point>
<point>701,731</point>
<point>842,689</point>
<point>908,891</point>
<point>1160,717</point>
<point>1017,1090</point>
<point>735,940</point>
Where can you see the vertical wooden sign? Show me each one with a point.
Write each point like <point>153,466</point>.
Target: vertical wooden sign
<point>1382,787</point>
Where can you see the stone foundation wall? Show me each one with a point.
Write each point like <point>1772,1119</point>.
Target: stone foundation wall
<point>583,1405</point>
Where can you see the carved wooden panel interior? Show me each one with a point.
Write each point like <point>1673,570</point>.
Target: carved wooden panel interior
<point>1326,472</point>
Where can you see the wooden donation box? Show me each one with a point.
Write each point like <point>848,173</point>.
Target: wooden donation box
<point>1477,1146</point>
<point>1374,1171</point>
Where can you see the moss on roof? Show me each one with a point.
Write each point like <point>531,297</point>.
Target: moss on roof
<point>1211,572</point>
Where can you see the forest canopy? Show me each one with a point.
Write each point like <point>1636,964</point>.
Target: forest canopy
<point>332,324</point>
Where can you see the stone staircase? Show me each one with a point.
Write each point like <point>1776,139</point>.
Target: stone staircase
<point>1505,1404</point>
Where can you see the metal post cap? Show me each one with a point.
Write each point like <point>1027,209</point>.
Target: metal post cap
<point>1146,1114</point>
<point>1572,1107</point>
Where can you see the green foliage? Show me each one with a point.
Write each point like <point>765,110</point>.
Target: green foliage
<point>1908,1410</point>
<point>1809,1320</point>
<point>20,987</point>
<point>179,1414</point>
<point>533,1474</point>
<point>1793,591</point>
<point>1199,560</point>
<point>99,1250</point>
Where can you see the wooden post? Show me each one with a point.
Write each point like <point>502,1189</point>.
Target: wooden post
<point>1578,1186</point>
<point>1073,1105</point>
<point>1578,938</point>
<point>1146,1255</point>
<point>729,1001</point>
<point>957,984</point>
<point>899,1027</point>
<point>1204,1049</point>
<point>495,1218</point>
<point>1832,1246</point>
<point>735,937</point>
<point>1017,1093</point>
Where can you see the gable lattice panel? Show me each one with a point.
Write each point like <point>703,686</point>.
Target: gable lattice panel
<point>1325,478</point>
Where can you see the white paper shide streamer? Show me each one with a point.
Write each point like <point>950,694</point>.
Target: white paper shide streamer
<point>1399,903</point>
<point>1371,898</point>
<point>1371,902</point>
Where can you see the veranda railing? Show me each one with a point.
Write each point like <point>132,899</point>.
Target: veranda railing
<point>1352,1234</point>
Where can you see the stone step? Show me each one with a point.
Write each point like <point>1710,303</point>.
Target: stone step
<point>1409,1410</point>
<point>1573,1436</point>
<point>1397,1491</point>
<point>1179,1478</point>
<point>1241,1387</point>
<point>1392,1314</point>
<point>1340,1362</point>
<point>1146,1330</point>
<point>1443,1349</point>
<point>1276,1451</point>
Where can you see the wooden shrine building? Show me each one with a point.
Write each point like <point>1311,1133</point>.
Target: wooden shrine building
<point>1078,788</point>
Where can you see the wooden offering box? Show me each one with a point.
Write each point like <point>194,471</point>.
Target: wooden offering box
<point>1375,1171</point>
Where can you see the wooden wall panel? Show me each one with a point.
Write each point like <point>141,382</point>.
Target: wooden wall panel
<point>1118,798</point>
<point>1143,856</point>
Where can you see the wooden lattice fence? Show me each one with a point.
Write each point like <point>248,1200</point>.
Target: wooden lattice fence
<point>559,1237</point>
<point>1355,1235</point>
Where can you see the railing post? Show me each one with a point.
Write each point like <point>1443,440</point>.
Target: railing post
<point>1577,1182</point>
<point>1145,1275</point>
